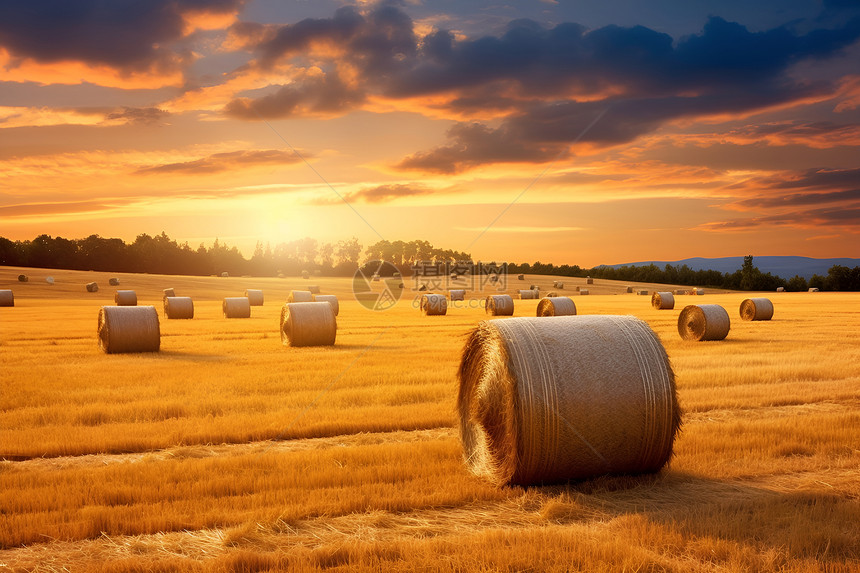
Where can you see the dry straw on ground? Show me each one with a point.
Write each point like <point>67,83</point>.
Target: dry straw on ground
<point>756,309</point>
<point>254,296</point>
<point>663,300</point>
<point>178,307</point>
<point>7,298</point>
<point>434,304</point>
<point>457,294</point>
<point>167,292</point>
<point>300,296</point>
<point>236,307</point>
<point>331,299</point>
<point>500,305</point>
<point>128,329</point>
<point>526,294</point>
<point>113,281</point>
<point>125,298</point>
<point>556,306</point>
<point>703,322</point>
<point>545,401</point>
<point>92,287</point>
<point>308,324</point>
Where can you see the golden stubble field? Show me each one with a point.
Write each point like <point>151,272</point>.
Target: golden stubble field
<point>229,451</point>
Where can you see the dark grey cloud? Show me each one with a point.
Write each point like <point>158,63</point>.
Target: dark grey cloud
<point>820,179</point>
<point>799,199</point>
<point>385,193</point>
<point>220,162</point>
<point>31,209</point>
<point>138,115</point>
<point>318,94</point>
<point>824,217</point>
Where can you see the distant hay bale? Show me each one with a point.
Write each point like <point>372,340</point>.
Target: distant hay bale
<point>534,287</point>
<point>680,291</point>
<point>331,299</point>
<point>589,281</point>
<point>7,298</point>
<point>500,305</point>
<point>23,278</point>
<point>401,286</point>
<point>756,309</point>
<point>559,285</point>
<point>236,307</point>
<point>578,289</point>
<point>434,305</point>
<point>494,278</point>
<point>457,294</point>
<point>526,294</point>
<point>663,301</point>
<point>643,293</point>
<point>314,289</point>
<point>125,298</point>
<point>306,275</point>
<point>255,296</point>
<point>583,291</point>
<point>574,397</point>
<point>167,292</point>
<point>49,280</point>
<point>422,288</point>
<point>375,277</point>
<point>92,287</point>
<point>700,291</point>
<point>630,289</point>
<point>178,307</point>
<point>521,277</point>
<point>780,289</point>
<point>550,294</point>
<point>300,296</point>
<point>113,281</point>
<point>703,322</point>
<point>556,306</point>
<point>225,274</point>
<point>128,329</point>
<point>813,289</point>
<point>308,324</point>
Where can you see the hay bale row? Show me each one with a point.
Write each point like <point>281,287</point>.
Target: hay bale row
<point>575,397</point>
<point>128,329</point>
<point>113,281</point>
<point>457,294</point>
<point>178,307</point>
<point>663,301</point>
<point>500,305</point>
<point>434,305</point>
<point>236,307</point>
<point>125,298</point>
<point>7,298</point>
<point>331,299</point>
<point>308,324</point>
<point>92,287</point>
<point>300,296</point>
<point>23,278</point>
<point>703,322</point>
<point>556,306</point>
<point>526,294</point>
<point>700,291</point>
<point>254,296</point>
<point>756,309</point>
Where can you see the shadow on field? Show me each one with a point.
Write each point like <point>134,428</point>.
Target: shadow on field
<point>189,356</point>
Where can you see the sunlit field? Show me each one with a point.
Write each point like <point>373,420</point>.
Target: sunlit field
<point>228,451</point>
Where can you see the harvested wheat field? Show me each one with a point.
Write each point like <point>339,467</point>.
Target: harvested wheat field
<point>226,450</point>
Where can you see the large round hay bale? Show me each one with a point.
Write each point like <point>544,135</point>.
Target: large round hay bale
<point>663,300</point>
<point>128,329</point>
<point>457,294</point>
<point>556,306</point>
<point>23,278</point>
<point>526,294</point>
<point>703,322</point>
<point>756,309</point>
<point>92,287</point>
<point>113,281</point>
<point>314,289</point>
<point>308,324</point>
<point>168,292</point>
<point>236,307</point>
<point>544,401</point>
<point>125,298</point>
<point>7,297</point>
<point>434,304</point>
<point>583,291</point>
<point>331,299</point>
<point>254,296</point>
<point>500,305</point>
<point>589,281</point>
<point>300,296</point>
<point>178,307</point>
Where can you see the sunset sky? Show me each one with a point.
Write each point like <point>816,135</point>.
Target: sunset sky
<point>581,132</point>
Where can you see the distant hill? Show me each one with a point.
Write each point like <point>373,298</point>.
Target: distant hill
<point>785,267</point>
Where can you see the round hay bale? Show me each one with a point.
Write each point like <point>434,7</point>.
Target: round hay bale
<point>556,306</point>
<point>434,305</point>
<point>375,278</point>
<point>128,329</point>
<point>559,285</point>
<point>629,289</point>
<point>550,294</point>
<point>756,309</point>
<point>125,298</point>
<point>814,289</point>
<point>680,291</point>
<point>534,287</point>
<point>494,278</point>
<point>401,286</point>
<point>526,294</point>
<point>780,289</point>
<point>643,293</point>
<point>500,305</point>
<point>331,299</point>
<point>578,289</point>
<point>49,280</point>
<point>7,297</point>
<point>583,291</point>
<point>23,278</point>
<point>225,274</point>
<point>700,292</point>
<point>457,294</point>
<point>113,281</point>
<point>589,281</point>
<point>575,397</point>
<point>703,322</point>
<point>308,324</point>
<point>663,301</point>
<point>306,275</point>
<point>300,296</point>
<point>314,289</point>
<point>178,307</point>
<point>167,292</point>
<point>254,296</point>
<point>521,277</point>
<point>92,287</point>
<point>422,288</point>
<point>236,307</point>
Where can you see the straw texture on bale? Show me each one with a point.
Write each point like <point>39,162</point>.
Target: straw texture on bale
<point>92,287</point>
<point>434,305</point>
<point>703,322</point>
<point>308,324</point>
<point>780,289</point>
<point>500,305</point>
<point>23,278</point>
<point>756,309</point>
<point>556,306</point>
<point>331,299</point>
<point>457,294</point>
<point>813,289</point>
<point>521,277</point>
<point>236,307</point>
<point>113,281</point>
<point>527,294</point>
<point>630,289</point>
<point>314,289</point>
<point>178,307</point>
<point>574,397</point>
<point>589,281</point>
<point>300,296</point>
<point>168,292</point>
<point>7,298</point>
<point>125,298</point>
<point>128,329</point>
<point>583,291</point>
<point>663,300</point>
<point>255,296</point>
